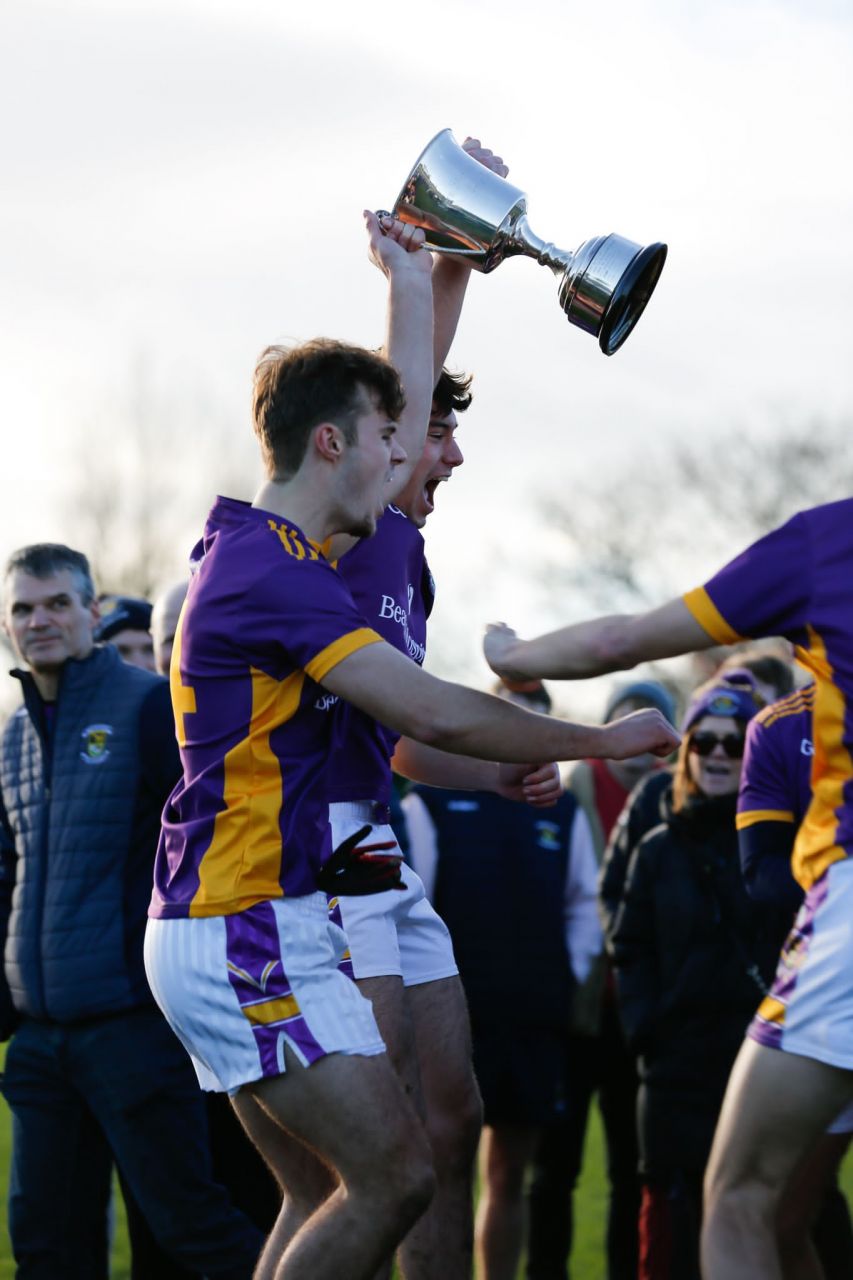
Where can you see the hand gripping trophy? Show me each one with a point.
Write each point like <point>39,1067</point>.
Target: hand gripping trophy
<point>466,210</point>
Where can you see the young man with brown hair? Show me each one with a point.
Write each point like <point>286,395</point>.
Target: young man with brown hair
<point>240,952</point>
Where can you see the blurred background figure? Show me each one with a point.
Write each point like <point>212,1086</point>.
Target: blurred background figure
<point>651,802</point>
<point>126,622</point>
<point>692,963</point>
<point>164,623</point>
<point>516,887</point>
<point>597,1060</point>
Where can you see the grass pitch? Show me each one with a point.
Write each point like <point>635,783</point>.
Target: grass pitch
<point>587,1261</point>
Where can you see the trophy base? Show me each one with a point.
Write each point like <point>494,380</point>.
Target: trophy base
<point>630,296</point>
<point>605,288</point>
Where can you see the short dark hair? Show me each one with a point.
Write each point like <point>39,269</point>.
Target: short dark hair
<point>452,392</point>
<point>42,559</point>
<point>297,388</point>
<point>766,667</point>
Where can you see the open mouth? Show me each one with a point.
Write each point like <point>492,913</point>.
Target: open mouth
<point>429,490</point>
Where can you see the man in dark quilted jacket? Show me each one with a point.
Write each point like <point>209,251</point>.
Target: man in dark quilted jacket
<point>93,1070</point>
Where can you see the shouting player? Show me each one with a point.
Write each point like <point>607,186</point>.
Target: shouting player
<point>240,952</point>
<point>400,951</point>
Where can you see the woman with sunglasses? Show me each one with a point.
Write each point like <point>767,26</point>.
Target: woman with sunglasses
<point>692,959</point>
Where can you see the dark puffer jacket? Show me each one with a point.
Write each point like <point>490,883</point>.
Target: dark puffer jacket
<point>79,832</point>
<point>691,952</point>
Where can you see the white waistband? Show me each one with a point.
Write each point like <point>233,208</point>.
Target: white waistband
<point>371,811</point>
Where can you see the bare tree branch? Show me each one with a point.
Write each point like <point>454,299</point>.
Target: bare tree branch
<point>627,538</point>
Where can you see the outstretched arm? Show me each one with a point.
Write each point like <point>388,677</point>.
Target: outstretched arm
<point>538,785</point>
<point>597,647</point>
<point>391,688</point>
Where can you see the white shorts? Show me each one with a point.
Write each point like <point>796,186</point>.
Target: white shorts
<point>810,1007</point>
<point>237,989</point>
<point>396,933</point>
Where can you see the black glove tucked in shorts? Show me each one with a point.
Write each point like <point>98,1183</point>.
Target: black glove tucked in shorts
<point>355,869</point>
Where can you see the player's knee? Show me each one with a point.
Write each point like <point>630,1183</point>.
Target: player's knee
<point>419,1187</point>
<point>305,1194</point>
<point>403,1182</point>
<point>747,1207</point>
<point>455,1123</point>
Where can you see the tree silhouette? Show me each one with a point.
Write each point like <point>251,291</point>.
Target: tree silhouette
<point>654,525</point>
<point>140,476</point>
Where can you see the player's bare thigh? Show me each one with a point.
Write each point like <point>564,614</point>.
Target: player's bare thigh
<point>776,1105</point>
<point>393,1016</point>
<point>350,1109</point>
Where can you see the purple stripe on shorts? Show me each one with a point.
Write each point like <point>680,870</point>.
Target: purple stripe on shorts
<point>253,948</point>
<point>345,962</point>
<point>791,961</point>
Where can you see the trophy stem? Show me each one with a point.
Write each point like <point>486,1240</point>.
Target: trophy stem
<point>520,239</point>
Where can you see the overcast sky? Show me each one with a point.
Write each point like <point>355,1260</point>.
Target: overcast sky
<point>182,183</point>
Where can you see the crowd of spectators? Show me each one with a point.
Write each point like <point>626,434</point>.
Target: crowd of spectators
<point>649,1020</point>
<point>611,947</point>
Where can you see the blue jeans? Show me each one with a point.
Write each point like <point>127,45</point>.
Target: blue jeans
<point>130,1073</point>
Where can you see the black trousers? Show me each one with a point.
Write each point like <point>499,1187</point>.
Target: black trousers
<point>598,1065</point>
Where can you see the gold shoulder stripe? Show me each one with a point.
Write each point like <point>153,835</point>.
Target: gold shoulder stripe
<point>790,707</point>
<point>750,817</point>
<point>709,617</point>
<point>323,662</point>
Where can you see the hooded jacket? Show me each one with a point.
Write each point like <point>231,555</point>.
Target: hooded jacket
<point>693,955</point>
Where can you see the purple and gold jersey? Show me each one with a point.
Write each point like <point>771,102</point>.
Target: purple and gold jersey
<point>775,783</point>
<point>392,586</point>
<point>798,582</point>
<point>265,619</point>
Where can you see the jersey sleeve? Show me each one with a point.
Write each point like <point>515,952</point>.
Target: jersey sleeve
<point>765,793</point>
<point>315,623</point>
<point>765,591</point>
<point>766,816</point>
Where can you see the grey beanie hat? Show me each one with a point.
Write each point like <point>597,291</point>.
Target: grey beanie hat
<point>650,691</point>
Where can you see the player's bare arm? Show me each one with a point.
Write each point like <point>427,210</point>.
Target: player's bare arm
<point>391,688</point>
<point>597,647</point>
<point>396,248</point>
<point>451,272</point>
<point>538,785</point>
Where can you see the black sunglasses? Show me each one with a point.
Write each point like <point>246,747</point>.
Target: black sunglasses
<point>732,743</point>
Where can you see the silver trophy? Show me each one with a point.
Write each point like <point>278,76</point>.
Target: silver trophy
<point>467,210</point>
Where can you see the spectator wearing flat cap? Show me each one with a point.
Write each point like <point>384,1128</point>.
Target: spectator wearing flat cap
<point>126,622</point>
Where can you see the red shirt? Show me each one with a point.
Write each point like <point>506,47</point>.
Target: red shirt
<point>610,795</point>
